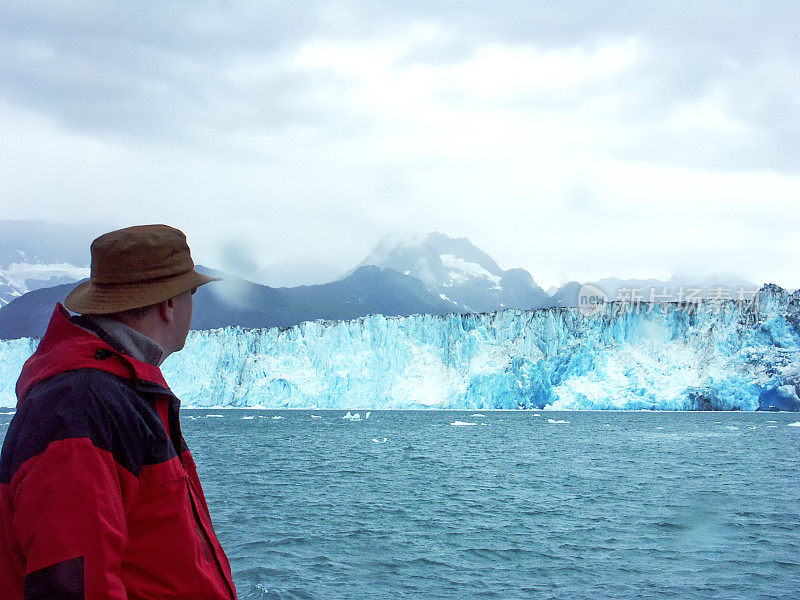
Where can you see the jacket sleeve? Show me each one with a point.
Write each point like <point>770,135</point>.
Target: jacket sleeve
<point>75,470</point>
<point>69,519</point>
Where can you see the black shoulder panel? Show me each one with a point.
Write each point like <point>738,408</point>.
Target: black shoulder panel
<point>87,403</point>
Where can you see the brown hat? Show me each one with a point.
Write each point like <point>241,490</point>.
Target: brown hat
<point>136,267</point>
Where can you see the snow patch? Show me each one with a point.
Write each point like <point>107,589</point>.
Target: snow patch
<point>18,273</point>
<point>461,270</point>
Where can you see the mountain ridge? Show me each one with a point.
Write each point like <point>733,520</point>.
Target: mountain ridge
<point>458,270</point>
<point>238,302</point>
<point>431,274</point>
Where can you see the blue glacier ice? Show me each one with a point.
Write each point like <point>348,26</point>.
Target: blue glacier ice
<point>13,354</point>
<point>725,355</point>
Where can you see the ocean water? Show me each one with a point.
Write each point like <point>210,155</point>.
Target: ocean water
<point>518,504</point>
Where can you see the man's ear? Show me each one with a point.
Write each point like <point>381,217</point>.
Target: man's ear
<point>166,310</point>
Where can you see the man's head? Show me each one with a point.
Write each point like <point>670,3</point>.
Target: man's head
<point>143,276</point>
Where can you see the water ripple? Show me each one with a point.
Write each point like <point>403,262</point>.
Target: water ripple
<point>517,508</point>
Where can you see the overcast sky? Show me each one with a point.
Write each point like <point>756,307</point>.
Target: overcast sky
<point>575,139</point>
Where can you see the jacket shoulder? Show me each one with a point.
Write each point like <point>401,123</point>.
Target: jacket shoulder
<point>84,403</point>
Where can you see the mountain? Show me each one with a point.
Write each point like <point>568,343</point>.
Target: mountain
<point>432,274</point>
<point>567,294</point>
<point>28,315</point>
<point>368,290</point>
<point>238,302</point>
<point>456,270</point>
<point>675,289</point>
<point>38,254</point>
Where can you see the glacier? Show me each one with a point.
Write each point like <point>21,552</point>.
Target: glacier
<point>728,355</point>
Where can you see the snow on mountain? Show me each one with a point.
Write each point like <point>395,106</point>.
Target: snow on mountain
<point>461,271</point>
<point>21,277</point>
<point>39,254</point>
<point>458,269</point>
<point>671,356</point>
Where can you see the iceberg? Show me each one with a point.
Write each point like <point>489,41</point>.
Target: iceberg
<point>725,355</point>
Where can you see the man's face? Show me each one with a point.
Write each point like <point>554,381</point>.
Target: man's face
<point>182,318</point>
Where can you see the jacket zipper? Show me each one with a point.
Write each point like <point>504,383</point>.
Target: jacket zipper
<point>203,542</point>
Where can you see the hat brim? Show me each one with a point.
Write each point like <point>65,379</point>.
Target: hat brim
<point>92,299</point>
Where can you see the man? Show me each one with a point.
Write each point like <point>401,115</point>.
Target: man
<point>99,495</point>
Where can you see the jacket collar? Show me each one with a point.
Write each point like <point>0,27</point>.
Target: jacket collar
<point>122,338</point>
<point>68,347</point>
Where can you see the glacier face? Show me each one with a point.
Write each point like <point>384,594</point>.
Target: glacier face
<point>729,355</point>
<point>723,356</point>
<point>13,354</point>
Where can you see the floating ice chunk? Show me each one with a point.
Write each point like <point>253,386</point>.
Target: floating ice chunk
<point>7,413</point>
<point>216,416</point>
<point>796,424</point>
<point>352,417</point>
<point>247,418</point>
<point>557,421</point>
<point>366,416</point>
<point>732,427</point>
<point>477,415</point>
<point>659,428</point>
<point>461,423</point>
<point>536,415</point>
<point>276,418</point>
<point>771,421</point>
<point>315,417</point>
<point>377,441</point>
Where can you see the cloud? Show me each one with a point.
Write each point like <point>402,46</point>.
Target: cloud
<point>705,84</point>
<point>547,133</point>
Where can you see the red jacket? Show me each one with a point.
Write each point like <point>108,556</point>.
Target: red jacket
<point>99,495</point>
